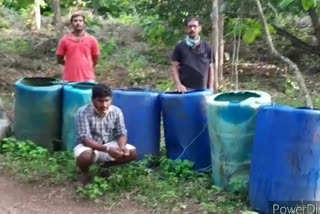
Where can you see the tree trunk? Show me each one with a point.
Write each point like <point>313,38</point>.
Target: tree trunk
<point>292,66</point>
<point>37,13</point>
<point>315,23</point>
<point>215,41</point>
<point>220,41</point>
<point>57,17</point>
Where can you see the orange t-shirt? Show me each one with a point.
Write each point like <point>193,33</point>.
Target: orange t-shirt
<point>78,65</point>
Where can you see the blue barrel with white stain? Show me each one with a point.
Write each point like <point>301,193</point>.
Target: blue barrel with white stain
<point>232,122</point>
<point>38,111</point>
<point>185,127</point>
<point>285,167</point>
<point>141,110</point>
<point>75,95</point>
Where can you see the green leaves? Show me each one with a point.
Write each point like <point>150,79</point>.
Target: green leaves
<point>285,3</point>
<point>97,188</point>
<point>18,4</point>
<point>252,32</point>
<point>31,162</point>
<point>156,182</point>
<point>250,29</point>
<point>178,168</point>
<point>308,4</point>
<point>108,48</point>
<point>24,3</point>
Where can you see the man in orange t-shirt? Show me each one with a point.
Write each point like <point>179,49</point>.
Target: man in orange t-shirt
<point>78,52</point>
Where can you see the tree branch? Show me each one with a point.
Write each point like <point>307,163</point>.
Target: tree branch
<point>297,42</point>
<point>315,23</point>
<point>292,66</point>
<point>55,4</point>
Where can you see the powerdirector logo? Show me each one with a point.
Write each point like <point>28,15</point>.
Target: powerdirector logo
<point>294,207</point>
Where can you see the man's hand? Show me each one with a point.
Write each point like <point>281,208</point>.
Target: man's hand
<point>115,152</point>
<point>125,151</point>
<point>181,88</point>
<point>60,59</point>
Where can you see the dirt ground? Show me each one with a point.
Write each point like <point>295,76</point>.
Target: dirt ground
<point>20,198</point>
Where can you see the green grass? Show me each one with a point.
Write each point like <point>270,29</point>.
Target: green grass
<point>155,182</point>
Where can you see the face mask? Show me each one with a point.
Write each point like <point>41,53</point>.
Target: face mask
<point>191,42</point>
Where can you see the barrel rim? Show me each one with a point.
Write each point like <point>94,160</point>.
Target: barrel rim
<point>264,99</point>
<point>281,107</point>
<point>20,84</point>
<point>136,90</point>
<point>193,92</point>
<point>83,85</point>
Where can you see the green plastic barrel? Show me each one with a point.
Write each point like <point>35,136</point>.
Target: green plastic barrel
<point>231,123</point>
<point>75,95</point>
<point>38,111</point>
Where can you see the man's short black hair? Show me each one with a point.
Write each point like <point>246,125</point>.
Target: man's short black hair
<point>193,19</point>
<point>100,91</point>
<point>76,15</point>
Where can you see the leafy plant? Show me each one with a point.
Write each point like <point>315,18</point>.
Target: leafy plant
<point>16,46</point>
<point>33,163</point>
<point>178,168</point>
<point>113,8</point>
<point>308,4</point>
<point>107,49</point>
<point>156,182</point>
<point>95,189</point>
<point>291,86</point>
<point>164,85</point>
<point>250,29</point>
<point>17,4</point>
<point>157,32</point>
<point>136,71</point>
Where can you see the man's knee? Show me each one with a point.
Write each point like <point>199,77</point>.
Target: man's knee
<point>86,158</point>
<point>133,154</point>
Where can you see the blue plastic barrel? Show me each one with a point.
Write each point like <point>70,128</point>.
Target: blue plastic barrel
<point>38,111</point>
<point>74,96</point>
<point>232,122</point>
<point>186,128</point>
<point>285,167</point>
<point>141,110</point>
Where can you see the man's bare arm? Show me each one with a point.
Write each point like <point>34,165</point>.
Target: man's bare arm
<point>95,60</point>
<point>211,77</point>
<point>93,144</point>
<point>60,59</point>
<point>122,142</point>
<point>176,78</point>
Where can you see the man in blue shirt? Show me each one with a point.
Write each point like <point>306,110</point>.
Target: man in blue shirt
<point>192,60</point>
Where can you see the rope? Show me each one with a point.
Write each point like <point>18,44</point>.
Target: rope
<point>202,130</point>
<point>194,139</point>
